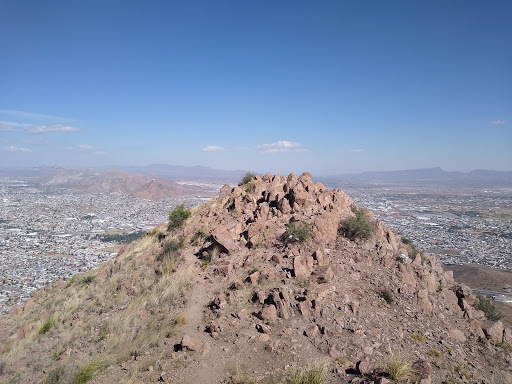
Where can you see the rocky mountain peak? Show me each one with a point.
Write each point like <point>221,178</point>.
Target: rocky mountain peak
<point>265,281</point>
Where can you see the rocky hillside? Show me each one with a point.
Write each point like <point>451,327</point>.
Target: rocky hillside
<point>275,281</point>
<point>119,183</point>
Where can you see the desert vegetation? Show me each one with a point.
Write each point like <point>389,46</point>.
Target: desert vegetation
<point>296,232</point>
<point>177,218</point>
<point>359,226</point>
<point>247,178</point>
<point>486,306</point>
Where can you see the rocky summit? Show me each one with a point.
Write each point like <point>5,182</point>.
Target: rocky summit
<point>277,280</point>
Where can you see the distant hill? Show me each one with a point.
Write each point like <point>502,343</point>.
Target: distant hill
<point>429,176</point>
<point>118,182</point>
<point>180,172</point>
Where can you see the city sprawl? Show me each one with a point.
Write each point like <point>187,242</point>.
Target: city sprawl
<point>47,234</point>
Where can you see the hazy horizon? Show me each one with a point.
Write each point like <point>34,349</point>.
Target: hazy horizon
<point>289,86</point>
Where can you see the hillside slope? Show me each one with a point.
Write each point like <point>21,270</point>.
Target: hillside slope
<point>261,281</point>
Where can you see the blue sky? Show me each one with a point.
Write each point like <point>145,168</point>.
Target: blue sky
<point>274,86</point>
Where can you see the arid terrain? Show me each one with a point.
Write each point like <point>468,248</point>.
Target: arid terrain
<point>271,280</point>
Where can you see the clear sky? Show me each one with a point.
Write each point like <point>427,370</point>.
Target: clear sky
<point>261,85</point>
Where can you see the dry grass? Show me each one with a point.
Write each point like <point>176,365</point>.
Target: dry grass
<point>313,374</point>
<point>398,368</point>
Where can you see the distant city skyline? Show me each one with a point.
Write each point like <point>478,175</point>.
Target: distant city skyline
<point>269,86</point>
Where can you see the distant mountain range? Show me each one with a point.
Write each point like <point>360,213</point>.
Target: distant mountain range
<point>430,176</point>
<point>181,172</point>
<point>425,176</point>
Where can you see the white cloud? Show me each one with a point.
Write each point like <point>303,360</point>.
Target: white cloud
<point>356,150</point>
<point>282,146</point>
<point>212,148</point>
<point>42,129</point>
<point>12,148</point>
<point>31,115</point>
<point>498,122</point>
<point>84,147</point>
<point>10,126</point>
<point>102,153</point>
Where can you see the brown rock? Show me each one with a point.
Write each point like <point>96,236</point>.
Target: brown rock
<point>224,192</point>
<point>190,344</point>
<point>24,330</point>
<point>495,332</point>
<point>507,336</point>
<point>16,310</point>
<point>476,328</point>
<point>323,274</point>
<point>268,313</point>
<point>363,367</point>
<point>253,277</point>
<point>223,238</point>
<point>457,334</point>
<point>311,331</point>
<point>299,266</point>
<point>318,256</point>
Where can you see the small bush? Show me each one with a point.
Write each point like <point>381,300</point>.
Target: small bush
<point>47,325</point>
<point>88,371</point>
<point>418,337</point>
<point>173,245</point>
<point>248,177</point>
<point>386,295</point>
<point>55,376</point>
<point>413,251</point>
<point>358,226</point>
<point>486,306</point>
<point>200,234</point>
<point>434,353</point>
<point>177,217</point>
<point>315,374</point>
<point>86,280</point>
<point>300,233</point>
<point>505,346</point>
<point>398,368</point>
<point>212,255</point>
<point>462,372</point>
<point>251,187</point>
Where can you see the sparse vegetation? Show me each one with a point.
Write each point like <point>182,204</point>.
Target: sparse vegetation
<point>314,374</point>
<point>87,279</point>
<point>88,371</point>
<point>398,368</point>
<point>418,337</point>
<point>55,376</point>
<point>434,353</point>
<point>300,233</point>
<point>247,178</point>
<point>358,227</point>
<point>122,238</point>
<point>341,360</point>
<point>460,370</point>
<point>47,325</point>
<point>200,234</point>
<point>251,187</point>
<point>386,295</point>
<point>486,306</point>
<point>506,347</point>
<point>177,218</point>
<point>413,251</point>
<point>174,245</point>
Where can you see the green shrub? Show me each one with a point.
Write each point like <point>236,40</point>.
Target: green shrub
<point>398,368</point>
<point>300,233</point>
<point>358,226</point>
<point>251,187</point>
<point>413,251</point>
<point>462,372</point>
<point>177,217</point>
<point>248,177</point>
<point>200,234</point>
<point>486,306</point>
<point>47,325</point>
<point>173,245</point>
<point>314,374</point>
<point>386,295</point>
<point>86,280</point>
<point>88,371</point>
